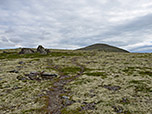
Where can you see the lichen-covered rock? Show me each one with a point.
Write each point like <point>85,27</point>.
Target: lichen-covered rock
<point>26,51</point>
<point>42,50</point>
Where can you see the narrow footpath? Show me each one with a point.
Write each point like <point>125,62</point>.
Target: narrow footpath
<point>55,101</point>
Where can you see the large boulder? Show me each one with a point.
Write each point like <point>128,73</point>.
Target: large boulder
<point>42,50</point>
<point>26,51</point>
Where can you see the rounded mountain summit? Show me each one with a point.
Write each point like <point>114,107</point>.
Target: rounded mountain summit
<point>104,47</point>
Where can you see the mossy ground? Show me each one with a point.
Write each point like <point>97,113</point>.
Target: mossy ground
<point>131,71</point>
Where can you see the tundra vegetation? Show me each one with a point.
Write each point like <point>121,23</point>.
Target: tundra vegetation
<point>111,82</point>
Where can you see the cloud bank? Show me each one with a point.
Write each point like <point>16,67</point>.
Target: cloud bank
<point>72,24</point>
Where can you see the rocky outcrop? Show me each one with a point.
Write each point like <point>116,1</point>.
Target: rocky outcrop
<point>26,51</point>
<point>42,50</point>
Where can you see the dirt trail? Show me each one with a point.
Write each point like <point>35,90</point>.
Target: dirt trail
<point>55,101</point>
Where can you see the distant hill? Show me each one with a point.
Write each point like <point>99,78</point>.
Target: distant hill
<point>103,47</point>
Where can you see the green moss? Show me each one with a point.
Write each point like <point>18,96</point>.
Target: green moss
<point>129,69</point>
<point>102,74</point>
<point>15,55</point>
<point>127,112</point>
<point>136,82</point>
<point>82,81</point>
<point>33,110</point>
<point>70,70</point>
<point>140,86</point>
<point>124,101</point>
<point>68,111</point>
<point>143,88</point>
<point>56,54</point>
<point>146,73</point>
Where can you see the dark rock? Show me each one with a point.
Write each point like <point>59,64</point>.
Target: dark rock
<point>19,67</point>
<point>21,78</point>
<point>68,102</point>
<point>13,71</point>
<point>5,52</point>
<point>124,101</point>
<point>114,88</point>
<point>33,75</point>
<point>26,51</point>
<point>92,95</point>
<point>16,87</point>
<point>37,75</point>
<point>42,50</point>
<point>118,109</point>
<point>48,76</point>
<point>88,106</point>
<point>0,78</point>
<point>47,50</point>
<point>21,62</point>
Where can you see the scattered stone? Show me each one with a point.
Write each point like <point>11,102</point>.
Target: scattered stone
<point>19,67</point>
<point>114,88</point>
<point>65,97</point>
<point>26,51</point>
<point>16,87</point>
<point>21,78</point>
<point>47,76</point>
<point>68,102</point>
<point>124,100</point>
<point>88,106</point>
<point>42,50</point>
<point>20,62</point>
<point>0,78</point>
<point>37,75</point>
<point>65,76</point>
<point>13,71</point>
<point>118,109</point>
<point>7,86</point>
<point>92,95</point>
<point>33,75</point>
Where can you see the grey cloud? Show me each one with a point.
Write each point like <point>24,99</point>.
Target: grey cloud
<point>4,39</point>
<point>72,24</point>
<point>146,49</point>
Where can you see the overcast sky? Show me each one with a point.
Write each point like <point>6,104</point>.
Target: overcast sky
<point>71,24</point>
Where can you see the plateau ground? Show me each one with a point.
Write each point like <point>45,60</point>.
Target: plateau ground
<point>75,82</point>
